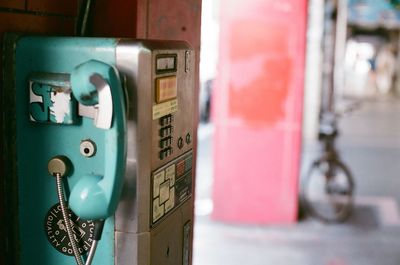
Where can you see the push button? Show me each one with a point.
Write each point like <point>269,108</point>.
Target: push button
<point>163,154</point>
<point>188,138</point>
<point>170,174</point>
<point>166,120</point>
<point>163,121</point>
<point>162,143</point>
<point>163,132</point>
<point>166,152</point>
<point>165,142</point>
<point>158,210</point>
<point>180,143</point>
<point>171,202</point>
<point>188,163</point>
<point>180,168</point>
<point>169,151</point>
<point>164,191</point>
<point>166,131</point>
<point>157,180</point>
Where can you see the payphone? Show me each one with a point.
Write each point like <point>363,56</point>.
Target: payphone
<point>98,148</point>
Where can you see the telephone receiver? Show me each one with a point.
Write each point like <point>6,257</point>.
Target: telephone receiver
<point>96,84</point>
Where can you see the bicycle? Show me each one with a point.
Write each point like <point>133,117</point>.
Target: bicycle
<point>327,188</point>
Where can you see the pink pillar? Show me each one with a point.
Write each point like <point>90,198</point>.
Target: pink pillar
<point>257,110</point>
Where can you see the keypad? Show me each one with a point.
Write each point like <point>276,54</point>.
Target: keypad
<point>166,136</point>
<point>171,185</point>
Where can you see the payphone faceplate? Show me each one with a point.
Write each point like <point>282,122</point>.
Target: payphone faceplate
<point>153,220</point>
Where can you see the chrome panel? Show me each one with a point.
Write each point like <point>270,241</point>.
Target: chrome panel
<point>135,241</point>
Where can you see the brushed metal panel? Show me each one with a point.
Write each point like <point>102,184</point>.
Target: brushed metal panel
<point>135,239</point>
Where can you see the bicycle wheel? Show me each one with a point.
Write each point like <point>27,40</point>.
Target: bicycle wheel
<point>327,191</point>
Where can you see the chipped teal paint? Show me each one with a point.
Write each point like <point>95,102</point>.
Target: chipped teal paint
<point>63,107</point>
<point>51,99</point>
<point>37,143</point>
<point>51,104</point>
<point>40,110</point>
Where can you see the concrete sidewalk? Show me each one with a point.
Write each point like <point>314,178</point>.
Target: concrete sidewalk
<point>370,144</point>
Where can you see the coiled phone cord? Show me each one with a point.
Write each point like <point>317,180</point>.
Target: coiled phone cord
<point>97,230</point>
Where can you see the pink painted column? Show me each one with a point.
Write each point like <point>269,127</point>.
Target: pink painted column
<point>257,111</point>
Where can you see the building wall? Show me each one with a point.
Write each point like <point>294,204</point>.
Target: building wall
<point>257,111</point>
<point>155,19</point>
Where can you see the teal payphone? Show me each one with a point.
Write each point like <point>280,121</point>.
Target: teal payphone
<point>98,150</point>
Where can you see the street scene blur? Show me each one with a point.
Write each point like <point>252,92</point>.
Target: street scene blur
<point>299,133</point>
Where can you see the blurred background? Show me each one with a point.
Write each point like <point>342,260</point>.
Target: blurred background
<point>298,141</point>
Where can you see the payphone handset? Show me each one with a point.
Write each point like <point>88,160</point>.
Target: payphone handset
<point>97,84</point>
<point>94,196</point>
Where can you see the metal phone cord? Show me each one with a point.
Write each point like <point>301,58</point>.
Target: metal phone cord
<point>65,215</point>
<point>58,167</point>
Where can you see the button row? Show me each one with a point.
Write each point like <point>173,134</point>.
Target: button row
<point>166,131</point>
<point>188,139</point>
<point>166,120</point>
<point>165,142</point>
<point>166,152</point>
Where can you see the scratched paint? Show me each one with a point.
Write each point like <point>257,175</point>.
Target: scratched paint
<point>51,104</point>
<point>34,99</point>
<point>40,102</point>
<point>60,110</point>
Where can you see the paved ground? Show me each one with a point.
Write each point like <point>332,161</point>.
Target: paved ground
<point>370,145</point>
